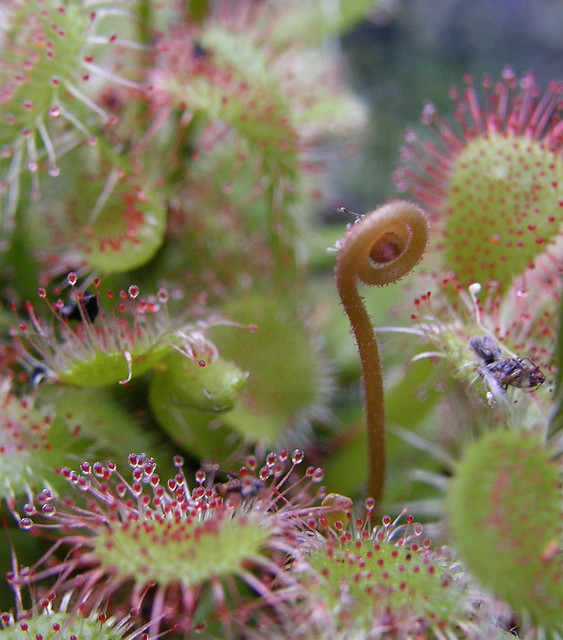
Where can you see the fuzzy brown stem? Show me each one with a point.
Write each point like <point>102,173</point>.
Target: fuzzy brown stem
<point>379,249</point>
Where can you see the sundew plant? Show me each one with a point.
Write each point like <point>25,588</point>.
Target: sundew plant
<point>223,418</point>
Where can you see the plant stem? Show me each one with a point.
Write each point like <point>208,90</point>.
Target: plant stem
<point>379,249</point>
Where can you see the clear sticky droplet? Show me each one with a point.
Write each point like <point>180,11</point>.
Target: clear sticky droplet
<point>297,456</point>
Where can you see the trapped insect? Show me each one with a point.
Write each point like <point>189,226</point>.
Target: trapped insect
<point>486,348</point>
<point>506,372</point>
<point>237,488</point>
<point>87,307</point>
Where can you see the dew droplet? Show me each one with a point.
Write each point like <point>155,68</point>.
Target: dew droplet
<point>72,278</point>
<point>45,496</point>
<point>297,456</point>
<point>48,510</point>
<point>29,509</point>
<point>133,291</point>
<point>318,475</point>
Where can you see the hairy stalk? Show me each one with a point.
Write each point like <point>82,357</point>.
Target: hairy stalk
<point>380,248</point>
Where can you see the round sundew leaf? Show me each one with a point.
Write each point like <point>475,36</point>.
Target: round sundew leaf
<point>503,207</point>
<point>56,59</point>
<point>368,584</point>
<point>126,233</point>
<point>256,107</point>
<point>33,442</point>
<point>234,83</point>
<point>240,231</point>
<point>97,215</point>
<point>285,377</point>
<point>65,626</point>
<point>185,551</point>
<point>504,506</point>
<point>91,344</point>
<point>40,43</point>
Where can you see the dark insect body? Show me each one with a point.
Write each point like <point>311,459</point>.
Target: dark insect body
<point>516,372</point>
<point>506,372</point>
<point>86,307</point>
<point>242,489</point>
<point>486,348</point>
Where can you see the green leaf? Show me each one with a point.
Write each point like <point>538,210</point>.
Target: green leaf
<point>504,509</point>
<point>556,418</point>
<point>313,20</point>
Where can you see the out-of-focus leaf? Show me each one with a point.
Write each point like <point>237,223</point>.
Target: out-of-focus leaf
<point>314,20</point>
<point>556,418</point>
